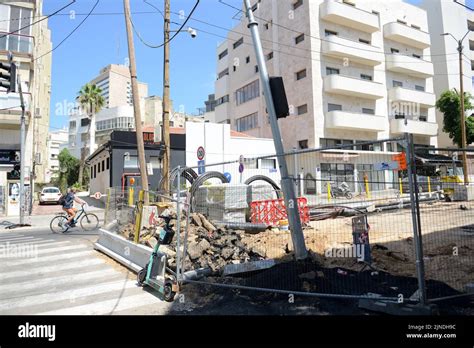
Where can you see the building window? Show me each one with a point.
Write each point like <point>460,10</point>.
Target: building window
<point>397,83</point>
<point>108,163</point>
<point>325,143</point>
<point>299,38</point>
<point>366,77</point>
<point>270,56</point>
<point>423,118</point>
<point>330,32</point>
<point>17,21</point>
<point>248,92</point>
<point>223,73</point>
<point>238,43</point>
<point>98,167</point>
<point>334,107</point>
<point>223,54</point>
<point>394,50</point>
<point>130,162</point>
<point>297,4</point>
<point>247,59</point>
<point>267,163</point>
<point>368,111</point>
<point>367,42</point>
<point>303,144</point>
<point>256,69</point>
<point>300,74</point>
<point>222,100</point>
<point>103,165</point>
<point>72,125</point>
<point>332,71</point>
<point>303,109</point>
<point>84,122</point>
<point>247,122</point>
<point>419,88</point>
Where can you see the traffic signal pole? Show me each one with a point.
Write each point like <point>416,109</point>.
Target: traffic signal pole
<point>288,188</point>
<point>22,154</point>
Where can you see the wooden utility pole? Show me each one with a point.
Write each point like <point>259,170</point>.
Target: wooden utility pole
<point>166,100</point>
<point>136,103</point>
<point>463,117</point>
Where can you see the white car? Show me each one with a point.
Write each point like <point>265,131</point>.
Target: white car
<point>50,195</point>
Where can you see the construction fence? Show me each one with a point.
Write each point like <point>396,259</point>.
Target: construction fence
<point>370,228</point>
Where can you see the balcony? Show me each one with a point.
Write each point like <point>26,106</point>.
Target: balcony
<point>424,99</point>
<point>338,47</point>
<point>350,16</point>
<point>353,87</point>
<point>407,35</point>
<point>16,43</point>
<point>409,65</point>
<point>355,121</point>
<point>398,126</point>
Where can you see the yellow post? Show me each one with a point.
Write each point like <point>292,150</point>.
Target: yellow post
<point>401,186</point>
<point>329,191</point>
<point>107,203</point>
<point>367,189</point>
<point>138,216</point>
<point>130,196</point>
<point>429,185</point>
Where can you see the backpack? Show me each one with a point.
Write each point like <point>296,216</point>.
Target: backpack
<point>62,200</point>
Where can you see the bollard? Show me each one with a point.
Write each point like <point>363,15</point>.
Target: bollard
<point>130,197</point>
<point>367,190</point>
<point>329,191</point>
<point>429,186</point>
<point>107,205</point>
<point>138,216</point>
<point>400,186</point>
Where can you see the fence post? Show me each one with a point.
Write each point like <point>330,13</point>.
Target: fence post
<point>178,224</point>
<point>138,216</point>
<point>367,189</point>
<point>107,204</point>
<point>400,186</point>
<point>415,209</point>
<point>429,186</point>
<point>329,191</point>
<point>130,196</point>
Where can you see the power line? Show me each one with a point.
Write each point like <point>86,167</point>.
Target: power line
<point>271,22</point>
<point>38,21</point>
<point>170,39</point>
<point>72,32</point>
<point>155,7</point>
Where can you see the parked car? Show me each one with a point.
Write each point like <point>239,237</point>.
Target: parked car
<point>50,195</point>
<point>422,182</point>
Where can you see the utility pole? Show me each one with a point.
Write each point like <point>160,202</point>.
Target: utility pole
<point>291,203</point>
<point>136,103</point>
<point>463,114</point>
<point>22,154</point>
<point>166,99</point>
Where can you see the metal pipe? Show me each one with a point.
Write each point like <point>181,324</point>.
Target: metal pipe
<point>22,154</point>
<point>178,224</point>
<point>286,182</point>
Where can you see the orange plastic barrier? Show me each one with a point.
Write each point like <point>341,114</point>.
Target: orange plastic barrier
<point>272,211</point>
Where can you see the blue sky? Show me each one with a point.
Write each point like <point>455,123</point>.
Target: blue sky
<point>101,40</point>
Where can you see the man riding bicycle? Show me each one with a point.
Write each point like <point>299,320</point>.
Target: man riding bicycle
<point>68,206</point>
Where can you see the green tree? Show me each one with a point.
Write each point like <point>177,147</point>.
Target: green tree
<point>68,170</point>
<point>449,103</point>
<point>91,102</point>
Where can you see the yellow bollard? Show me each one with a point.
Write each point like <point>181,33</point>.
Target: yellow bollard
<point>429,185</point>
<point>367,190</point>
<point>107,203</point>
<point>138,216</point>
<point>130,196</point>
<point>401,186</point>
<point>329,191</point>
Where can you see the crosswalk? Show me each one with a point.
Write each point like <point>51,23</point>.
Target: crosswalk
<point>56,275</point>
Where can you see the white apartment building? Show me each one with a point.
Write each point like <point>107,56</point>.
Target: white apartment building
<point>450,17</point>
<point>30,48</point>
<point>57,140</point>
<point>353,71</point>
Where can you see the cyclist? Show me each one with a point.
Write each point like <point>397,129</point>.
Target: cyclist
<point>68,206</point>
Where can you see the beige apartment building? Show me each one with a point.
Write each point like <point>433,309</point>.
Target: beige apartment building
<point>354,71</point>
<point>30,47</point>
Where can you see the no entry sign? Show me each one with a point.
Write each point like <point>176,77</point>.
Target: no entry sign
<point>201,153</point>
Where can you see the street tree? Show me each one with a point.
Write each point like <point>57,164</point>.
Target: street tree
<point>449,103</point>
<point>68,170</point>
<point>91,102</point>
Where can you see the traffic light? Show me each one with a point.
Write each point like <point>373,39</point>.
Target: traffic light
<point>8,76</point>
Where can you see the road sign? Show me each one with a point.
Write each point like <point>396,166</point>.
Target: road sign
<point>241,159</point>
<point>228,176</point>
<point>201,153</point>
<point>97,195</point>
<point>241,168</point>
<point>401,158</point>
<point>389,165</point>
<point>201,167</point>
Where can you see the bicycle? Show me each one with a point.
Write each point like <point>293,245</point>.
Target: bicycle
<point>88,221</point>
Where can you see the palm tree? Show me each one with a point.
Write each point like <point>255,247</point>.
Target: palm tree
<point>91,101</point>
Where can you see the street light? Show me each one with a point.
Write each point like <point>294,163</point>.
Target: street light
<point>463,116</point>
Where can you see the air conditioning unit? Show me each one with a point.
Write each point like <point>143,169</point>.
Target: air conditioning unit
<point>38,113</point>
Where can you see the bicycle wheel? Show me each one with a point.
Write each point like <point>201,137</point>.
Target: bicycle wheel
<point>57,224</point>
<point>89,222</point>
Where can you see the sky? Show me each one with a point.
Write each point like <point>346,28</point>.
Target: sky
<point>101,41</point>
